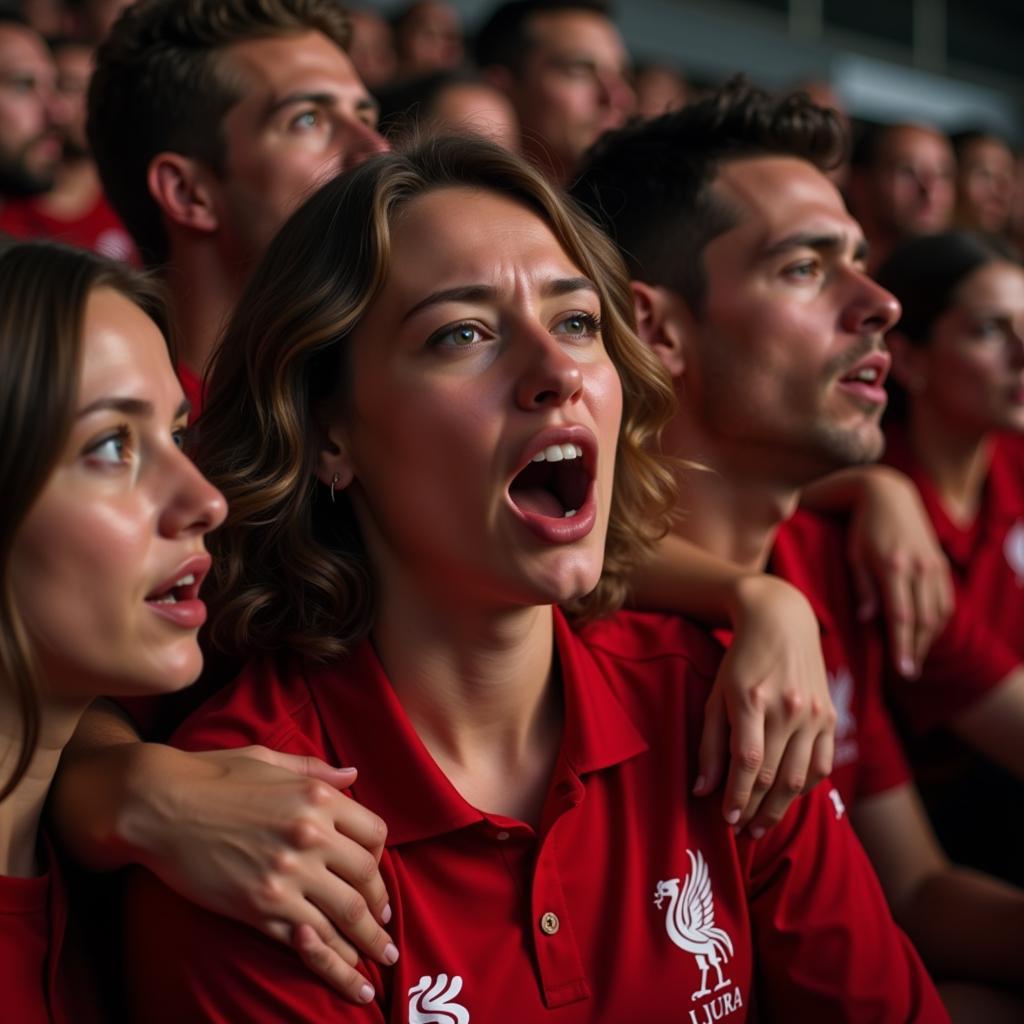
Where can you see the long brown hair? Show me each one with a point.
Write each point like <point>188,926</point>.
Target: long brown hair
<point>290,570</point>
<point>43,292</point>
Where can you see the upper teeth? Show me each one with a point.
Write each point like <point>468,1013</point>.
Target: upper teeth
<point>169,597</point>
<point>558,452</point>
<point>867,374</point>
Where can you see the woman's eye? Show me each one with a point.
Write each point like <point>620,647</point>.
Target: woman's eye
<point>579,325</point>
<point>112,450</point>
<point>180,437</point>
<point>459,336</point>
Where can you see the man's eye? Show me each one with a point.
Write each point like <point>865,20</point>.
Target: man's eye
<point>803,270</point>
<point>307,119</point>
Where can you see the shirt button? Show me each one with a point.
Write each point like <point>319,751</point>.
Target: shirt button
<point>549,923</point>
<point>502,836</point>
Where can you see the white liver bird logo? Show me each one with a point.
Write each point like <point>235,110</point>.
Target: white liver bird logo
<point>690,922</point>
<point>432,1001</point>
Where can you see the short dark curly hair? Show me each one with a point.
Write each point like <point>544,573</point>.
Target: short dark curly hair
<point>649,184</point>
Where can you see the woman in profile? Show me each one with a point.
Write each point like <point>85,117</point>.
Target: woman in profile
<point>102,556</point>
<point>957,429</point>
<point>433,421</point>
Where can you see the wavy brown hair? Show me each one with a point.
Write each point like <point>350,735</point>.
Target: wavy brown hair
<point>43,292</point>
<point>290,570</point>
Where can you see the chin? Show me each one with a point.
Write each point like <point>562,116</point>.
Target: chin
<point>570,584</point>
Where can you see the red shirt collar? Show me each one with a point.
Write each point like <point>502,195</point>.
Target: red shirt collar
<point>399,780</point>
<point>1002,500</point>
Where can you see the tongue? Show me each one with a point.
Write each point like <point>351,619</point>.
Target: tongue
<point>538,501</point>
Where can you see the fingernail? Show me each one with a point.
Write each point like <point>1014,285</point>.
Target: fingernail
<point>699,784</point>
<point>907,667</point>
<point>366,993</point>
<point>732,817</point>
<point>385,914</point>
<point>345,768</point>
<point>757,831</point>
<point>390,953</point>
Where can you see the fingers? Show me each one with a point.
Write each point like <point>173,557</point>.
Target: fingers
<point>311,767</point>
<point>747,750</point>
<point>863,584</point>
<point>777,741</point>
<point>788,782</point>
<point>934,606</point>
<point>327,961</point>
<point>341,896</point>
<point>900,613</point>
<point>714,746</point>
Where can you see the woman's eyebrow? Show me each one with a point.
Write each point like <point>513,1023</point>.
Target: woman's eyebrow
<point>129,406</point>
<point>483,292</point>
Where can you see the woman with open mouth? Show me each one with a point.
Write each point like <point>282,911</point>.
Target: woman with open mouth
<point>103,554</point>
<point>434,425</point>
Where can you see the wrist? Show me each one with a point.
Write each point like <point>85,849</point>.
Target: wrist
<point>155,779</point>
<point>759,595</point>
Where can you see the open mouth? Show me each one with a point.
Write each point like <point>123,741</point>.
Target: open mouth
<point>864,375</point>
<point>184,589</point>
<point>554,483</point>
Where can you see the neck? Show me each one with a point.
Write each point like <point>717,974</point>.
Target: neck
<point>730,507</point>
<point>477,686</point>
<point>957,461</point>
<point>21,812</point>
<point>203,289</point>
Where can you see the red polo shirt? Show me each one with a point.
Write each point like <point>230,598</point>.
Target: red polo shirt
<point>98,229</point>
<point>810,553</point>
<point>632,901</point>
<point>987,555</point>
<point>965,662</point>
<point>41,981</point>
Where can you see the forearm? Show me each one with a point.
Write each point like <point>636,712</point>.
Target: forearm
<point>994,725</point>
<point>684,578</point>
<point>842,490</point>
<point>105,778</point>
<point>968,926</point>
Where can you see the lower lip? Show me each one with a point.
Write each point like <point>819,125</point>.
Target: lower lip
<point>873,394</point>
<point>190,614</point>
<point>561,531</point>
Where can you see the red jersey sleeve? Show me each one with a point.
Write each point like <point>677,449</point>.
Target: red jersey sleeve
<point>188,964</point>
<point>827,947</point>
<point>966,662</point>
<point>185,963</point>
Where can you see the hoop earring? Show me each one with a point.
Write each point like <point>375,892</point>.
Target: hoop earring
<point>334,483</point>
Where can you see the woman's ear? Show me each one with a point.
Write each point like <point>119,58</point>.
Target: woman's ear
<point>908,362</point>
<point>662,323</point>
<point>334,467</point>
